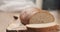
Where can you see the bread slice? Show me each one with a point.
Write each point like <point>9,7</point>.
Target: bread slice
<point>47,27</point>
<point>16,28</point>
<point>35,16</point>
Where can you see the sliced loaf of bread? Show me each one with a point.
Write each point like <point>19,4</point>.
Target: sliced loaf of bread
<point>35,16</point>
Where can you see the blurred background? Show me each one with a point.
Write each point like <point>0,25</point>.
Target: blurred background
<point>53,6</point>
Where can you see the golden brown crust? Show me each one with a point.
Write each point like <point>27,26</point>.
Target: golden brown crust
<point>25,15</point>
<point>46,29</point>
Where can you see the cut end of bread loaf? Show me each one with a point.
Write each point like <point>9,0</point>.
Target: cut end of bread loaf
<point>41,17</point>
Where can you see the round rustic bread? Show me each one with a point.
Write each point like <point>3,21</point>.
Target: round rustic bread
<point>35,16</point>
<point>47,27</point>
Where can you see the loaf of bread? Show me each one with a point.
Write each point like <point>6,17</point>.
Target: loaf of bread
<point>48,27</point>
<point>35,16</point>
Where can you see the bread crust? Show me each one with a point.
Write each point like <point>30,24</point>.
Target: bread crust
<point>46,29</point>
<point>25,16</point>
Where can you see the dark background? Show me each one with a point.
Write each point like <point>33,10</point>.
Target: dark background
<point>51,4</point>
